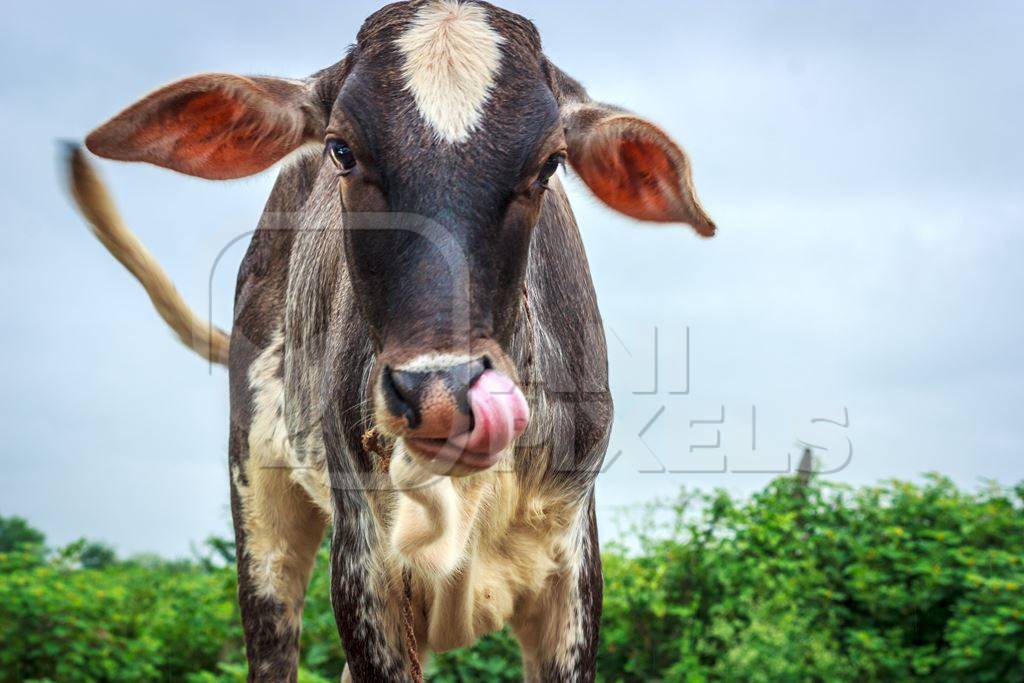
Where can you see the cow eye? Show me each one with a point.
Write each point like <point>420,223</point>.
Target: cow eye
<point>341,154</point>
<point>549,168</point>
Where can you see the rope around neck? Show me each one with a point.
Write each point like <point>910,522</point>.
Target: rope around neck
<point>415,669</point>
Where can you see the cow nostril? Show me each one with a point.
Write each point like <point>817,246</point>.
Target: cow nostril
<point>400,395</point>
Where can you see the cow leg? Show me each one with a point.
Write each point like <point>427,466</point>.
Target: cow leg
<point>277,533</point>
<point>367,595</point>
<point>558,634</point>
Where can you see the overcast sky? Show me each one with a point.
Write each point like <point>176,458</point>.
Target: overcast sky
<point>864,163</point>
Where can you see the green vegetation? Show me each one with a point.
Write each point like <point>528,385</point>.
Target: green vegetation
<point>818,583</point>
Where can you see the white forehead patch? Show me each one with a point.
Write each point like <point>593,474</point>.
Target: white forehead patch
<point>451,56</point>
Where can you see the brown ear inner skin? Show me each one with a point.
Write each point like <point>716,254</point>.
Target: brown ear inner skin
<point>213,133</point>
<point>639,175</point>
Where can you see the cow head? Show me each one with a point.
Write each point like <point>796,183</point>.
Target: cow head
<point>444,124</point>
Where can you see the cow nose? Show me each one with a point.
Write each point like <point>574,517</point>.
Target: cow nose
<point>433,402</point>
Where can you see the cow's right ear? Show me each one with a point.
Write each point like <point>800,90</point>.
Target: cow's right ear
<point>216,126</point>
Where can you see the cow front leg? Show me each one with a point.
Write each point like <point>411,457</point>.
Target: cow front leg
<point>277,533</point>
<point>367,594</point>
<point>558,632</point>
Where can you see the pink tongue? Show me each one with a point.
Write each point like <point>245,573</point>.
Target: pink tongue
<point>500,414</point>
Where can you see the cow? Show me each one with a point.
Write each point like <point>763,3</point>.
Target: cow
<point>417,362</point>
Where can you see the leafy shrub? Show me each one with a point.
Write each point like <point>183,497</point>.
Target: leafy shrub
<point>894,582</point>
<point>17,537</point>
<point>122,623</point>
<point>819,583</point>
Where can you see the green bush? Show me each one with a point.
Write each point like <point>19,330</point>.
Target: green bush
<point>122,623</point>
<point>18,539</point>
<point>895,582</point>
<point>16,533</point>
<point>820,583</point>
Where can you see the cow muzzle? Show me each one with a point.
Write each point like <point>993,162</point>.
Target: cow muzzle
<point>456,415</point>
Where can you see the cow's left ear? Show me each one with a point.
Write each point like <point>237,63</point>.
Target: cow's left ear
<point>632,165</point>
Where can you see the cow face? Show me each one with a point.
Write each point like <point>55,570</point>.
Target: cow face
<point>444,125</point>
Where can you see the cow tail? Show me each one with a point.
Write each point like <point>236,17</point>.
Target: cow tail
<point>97,206</point>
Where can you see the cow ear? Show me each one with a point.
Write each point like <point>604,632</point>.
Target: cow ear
<point>216,126</point>
<point>632,165</point>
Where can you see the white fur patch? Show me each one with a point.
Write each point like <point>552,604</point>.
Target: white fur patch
<point>576,544</point>
<point>451,56</point>
<point>428,530</point>
<point>269,444</point>
<point>433,362</point>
